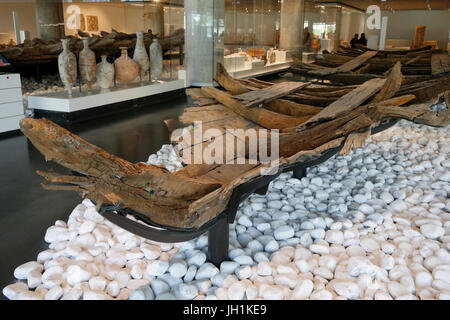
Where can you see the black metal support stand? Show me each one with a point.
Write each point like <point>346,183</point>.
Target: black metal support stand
<point>262,191</point>
<point>38,74</point>
<point>218,242</point>
<point>299,172</point>
<point>181,55</point>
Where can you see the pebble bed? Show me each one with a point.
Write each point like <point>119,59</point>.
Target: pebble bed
<point>371,225</point>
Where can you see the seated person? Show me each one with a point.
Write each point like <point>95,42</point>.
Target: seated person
<point>363,41</point>
<point>354,41</point>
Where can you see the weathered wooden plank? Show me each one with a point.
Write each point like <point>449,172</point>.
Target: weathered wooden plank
<point>217,117</point>
<point>206,114</point>
<point>226,81</point>
<point>347,66</point>
<point>348,102</point>
<point>313,90</point>
<point>292,109</point>
<point>426,90</point>
<point>413,60</point>
<point>358,61</point>
<point>419,36</point>
<point>308,138</point>
<point>393,83</point>
<point>257,98</point>
<point>312,100</point>
<point>261,116</point>
<point>440,63</point>
<point>196,93</point>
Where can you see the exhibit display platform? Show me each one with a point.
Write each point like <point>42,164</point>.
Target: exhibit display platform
<point>261,70</point>
<point>252,62</point>
<point>61,102</point>
<point>11,106</point>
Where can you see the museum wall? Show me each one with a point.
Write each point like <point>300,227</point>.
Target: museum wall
<point>402,26</point>
<point>173,19</point>
<point>240,24</point>
<point>351,23</point>
<point>27,18</point>
<point>109,16</point>
<point>129,18</point>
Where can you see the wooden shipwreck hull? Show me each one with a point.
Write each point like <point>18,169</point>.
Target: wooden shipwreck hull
<point>357,65</point>
<point>38,50</point>
<point>199,192</point>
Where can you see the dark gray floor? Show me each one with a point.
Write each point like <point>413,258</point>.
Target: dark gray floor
<point>26,210</point>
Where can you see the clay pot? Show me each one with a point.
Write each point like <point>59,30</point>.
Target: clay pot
<point>126,68</point>
<point>156,59</point>
<point>67,65</point>
<point>141,56</point>
<point>88,65</point>
<point>105,73</point>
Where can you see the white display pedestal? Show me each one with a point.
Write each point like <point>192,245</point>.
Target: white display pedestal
<point>281,56</point>
<point>325,44</point>
<point>261,70</point>
<point>11,105</point>
<point>61,102</point>
<point>308,57</point>
<point>234,62</point>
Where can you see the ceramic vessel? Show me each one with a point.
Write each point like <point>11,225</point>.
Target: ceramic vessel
<point>67,65</point>
<point>126,68</point>
<point>88,65</point>
<point>156,59</point>
<point>141,56</point>
<point>105,73</point>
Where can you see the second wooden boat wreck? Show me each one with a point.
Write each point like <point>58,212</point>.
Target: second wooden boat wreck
<point>357,65</point>
<point>197,194</point>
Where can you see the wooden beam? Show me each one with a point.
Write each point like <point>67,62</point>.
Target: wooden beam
<point>392,84</point>
<point>291,108</point>
<point>260,116</point>
<point>440,63</point>
<point>258,97</point>
<point>347,66</point>
<point>348,102</point>
<point>226,81</point>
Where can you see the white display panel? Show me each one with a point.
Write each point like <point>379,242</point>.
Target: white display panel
<point>10,123</point>
<point>262,70</point>
<point>11,109</point>
<point>61,102</point>
<point>11,105</point>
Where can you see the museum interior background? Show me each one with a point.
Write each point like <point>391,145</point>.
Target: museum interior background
<point>238,30</point>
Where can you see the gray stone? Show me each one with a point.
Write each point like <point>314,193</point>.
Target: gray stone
<point>206,271</point>
<point>159,286</point>
<point>284,232</point>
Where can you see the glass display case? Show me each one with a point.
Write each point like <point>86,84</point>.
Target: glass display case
<point>332,24</point>
<point>259,36</point>
<point>91,30</point>
<point>164,19</point>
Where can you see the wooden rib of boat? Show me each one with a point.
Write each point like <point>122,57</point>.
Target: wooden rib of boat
<point>199,192</point>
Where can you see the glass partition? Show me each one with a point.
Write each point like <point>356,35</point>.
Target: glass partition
<point>38,25</point>
<point>322,20</point>
<point>164,19</point>
<point>259,36</point>
<point>332,25</point>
